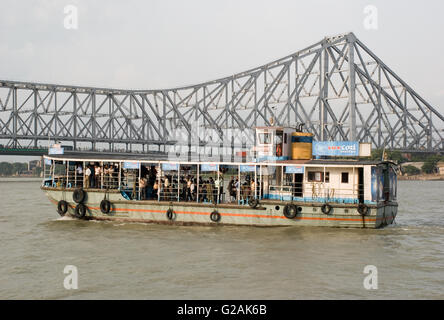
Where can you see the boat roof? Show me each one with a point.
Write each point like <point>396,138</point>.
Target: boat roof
<point>162,158</point>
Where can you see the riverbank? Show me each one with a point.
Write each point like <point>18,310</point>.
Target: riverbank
<point>423,177</point>
<point>20,179</point>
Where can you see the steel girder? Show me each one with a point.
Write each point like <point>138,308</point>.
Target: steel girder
<point>337,87</point>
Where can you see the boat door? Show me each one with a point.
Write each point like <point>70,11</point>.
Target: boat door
<point>361,185</point>
<point>298,180</point>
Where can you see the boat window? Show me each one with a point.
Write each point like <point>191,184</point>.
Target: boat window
<point>264,138</point>
<point>278,137</point>
<point>318,176</point>
<point>344,177</point>
<point>315,176</point>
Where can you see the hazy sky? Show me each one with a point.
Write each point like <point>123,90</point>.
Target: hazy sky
<point>160,44</point>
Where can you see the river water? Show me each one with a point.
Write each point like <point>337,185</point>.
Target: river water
<point>142,261</point>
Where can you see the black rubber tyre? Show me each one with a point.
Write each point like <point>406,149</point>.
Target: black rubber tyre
<point>105,206</point>
<point>215,216</point>
<point>253,203</point>
<point>326,208</point>
<point>363,209</point>
<point>62,207</point>
<point>290,211</point>
<point>170,214</point>
<point>80,211</point>
<point>78,195</point>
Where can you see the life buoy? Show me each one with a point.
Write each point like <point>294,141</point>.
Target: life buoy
<point>326,208</point>
<point>363,209</point>
<point>80,210</point>
<point>215,216</point>
<point>278,150</point>
<point>105,206</point>
<point>170,214</point>
<point>290,211</point>
<point>62,207</point>
<point>253,203</point>
<point>78,195</point>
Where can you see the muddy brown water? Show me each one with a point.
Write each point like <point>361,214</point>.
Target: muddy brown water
<point>118,260</point>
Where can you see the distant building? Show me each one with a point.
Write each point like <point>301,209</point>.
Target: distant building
<point>440,167</point>
<point>34,164</point>
<point>407,156</point>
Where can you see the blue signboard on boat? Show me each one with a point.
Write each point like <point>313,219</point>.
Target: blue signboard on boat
<point>131,165</point>
<point>208,167</point>
<point>294,169</point>
<point>335,148</point>
<point>56,150</point>
<point>170,166</point>
<point>247,168</point>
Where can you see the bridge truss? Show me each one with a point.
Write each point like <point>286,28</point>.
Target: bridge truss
<point>337,87</point>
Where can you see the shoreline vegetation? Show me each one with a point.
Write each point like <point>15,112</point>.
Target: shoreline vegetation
<point>31,169</point>
<point>422,177</point>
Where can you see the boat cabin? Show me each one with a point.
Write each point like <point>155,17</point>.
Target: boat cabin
<point>273,143</point>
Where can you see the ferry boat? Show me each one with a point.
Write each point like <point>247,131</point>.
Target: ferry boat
<point>289,180</point>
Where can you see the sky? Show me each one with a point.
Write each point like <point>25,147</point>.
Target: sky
<point>157,44</point>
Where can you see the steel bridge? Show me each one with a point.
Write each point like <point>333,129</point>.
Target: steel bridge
<point>337,87</point>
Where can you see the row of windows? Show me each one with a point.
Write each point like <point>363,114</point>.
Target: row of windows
<point>318,176</point>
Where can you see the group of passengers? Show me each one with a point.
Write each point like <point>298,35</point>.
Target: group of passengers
<point>167,188</point>
<point>210,190</point>
<point>100,177</point>
<point>241,191</point>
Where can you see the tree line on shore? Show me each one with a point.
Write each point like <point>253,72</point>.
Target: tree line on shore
<point>429,166</point>
<point>17,168</point>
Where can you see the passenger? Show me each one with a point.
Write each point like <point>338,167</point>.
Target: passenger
<point>246,190</point>
<point>216,188</point>
<point>110,177</point>
<point>221,189</point>
<point>192,191</point>
<point>231,190</point>
<point>106,176</point>
<point>92,178</point>
<point>156,189</point>
<point>253,187</point>
<point>166,188</point>
<point>79,173</point>
<point>97,176</point>
<point>188,189</point>
<point>237,188</point>
<point>142,186</point>
<point>87,177</point>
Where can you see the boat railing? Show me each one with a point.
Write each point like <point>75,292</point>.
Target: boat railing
<point>186,183</point>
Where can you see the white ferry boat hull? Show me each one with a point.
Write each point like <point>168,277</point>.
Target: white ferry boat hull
<point>268,213</point>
